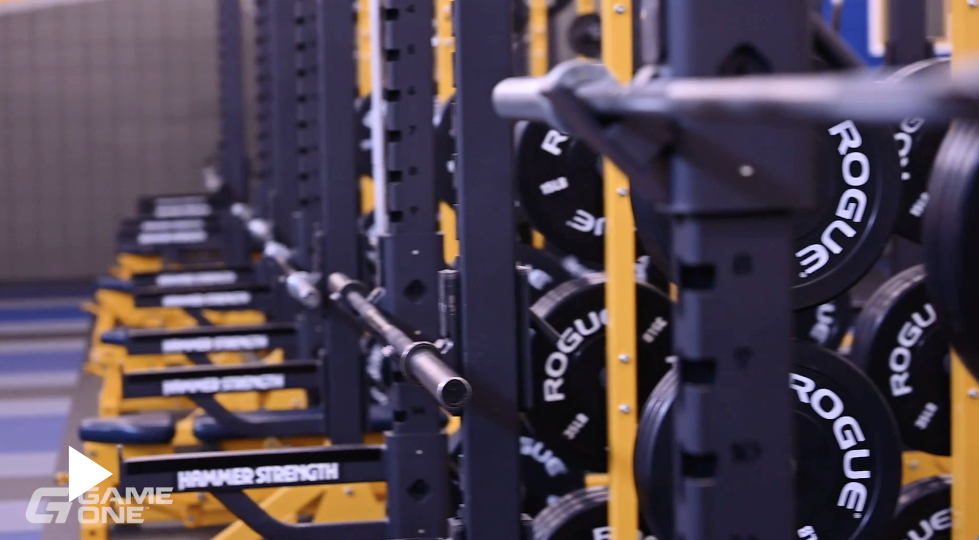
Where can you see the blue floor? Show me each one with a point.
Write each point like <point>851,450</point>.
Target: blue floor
<point>38,375</point>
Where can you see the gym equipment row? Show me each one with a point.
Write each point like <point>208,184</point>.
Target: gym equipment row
<point>295,370</point>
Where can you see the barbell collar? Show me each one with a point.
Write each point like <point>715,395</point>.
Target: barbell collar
<point>421,362</point>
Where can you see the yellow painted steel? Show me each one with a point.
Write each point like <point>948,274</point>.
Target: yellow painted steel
<point>537,23</point>
<point>964,33</point>
<point>446,87</point>
<point>965,448</point>
<point>539,61</point>
<point>364,88</point>
<point>918,465</point>
<point>363,48</point>
<point>595,479</point>
<point>446,46</point>
<point>620,294</point>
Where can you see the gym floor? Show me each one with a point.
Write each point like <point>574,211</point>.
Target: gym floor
<point>43,397</point>
<point>42,346</point>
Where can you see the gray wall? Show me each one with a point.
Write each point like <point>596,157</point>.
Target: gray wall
<point>99,102</point>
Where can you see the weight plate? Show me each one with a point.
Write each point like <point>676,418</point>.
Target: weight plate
<point>924,511</point>
<point>951,253</point>
<point>840,240</point>
<point>901,348</point>
<point>580,515</point>
<point>364,144</point>
<point>569,376</point>
<point>559,182</point>
<point>917,146</point>
<point>585,35</point>
<point>846,428</point>
<point>445,150</point>
<point>857,202</point>
<point>546,270</point>
<point>826,324</point>
<point>545,477</point>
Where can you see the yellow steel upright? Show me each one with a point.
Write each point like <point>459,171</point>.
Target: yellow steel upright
<point>538,49</point>
<point>620,298</point>
<point>364,87</point>
<point>965,390</point>
<point>540,57</point>
<point>445,78</point>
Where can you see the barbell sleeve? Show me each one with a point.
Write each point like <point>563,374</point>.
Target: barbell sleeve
<point>302,287</point>
<point>422,364</point>
<point>242,211</point>
<point>260,229</point>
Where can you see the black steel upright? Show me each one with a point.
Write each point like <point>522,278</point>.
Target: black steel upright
<point>733,245</point>
<point>339,192</point>
<point>907,32</point>
<point>261,200</point>
<point>306,220</point>
<point>411,256</point>
<point>488,281</point>
<point>232,161</point>
<point>282,28</point>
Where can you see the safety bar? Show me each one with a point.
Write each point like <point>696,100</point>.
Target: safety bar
<point>419,360</point>
<point>776,99</point>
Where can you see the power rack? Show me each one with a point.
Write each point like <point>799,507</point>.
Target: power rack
<point>490,347</point>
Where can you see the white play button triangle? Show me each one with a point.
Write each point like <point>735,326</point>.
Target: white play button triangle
<point>83,474</point>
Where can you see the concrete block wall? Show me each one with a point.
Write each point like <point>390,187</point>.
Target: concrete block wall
<point>100,101</point>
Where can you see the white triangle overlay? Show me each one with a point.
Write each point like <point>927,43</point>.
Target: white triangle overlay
<point>83,474</point>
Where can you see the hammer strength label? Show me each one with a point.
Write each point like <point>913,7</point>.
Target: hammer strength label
<point>191,210</point>
<point>250,342</point>
<point>192,279</point>
<point>171,225</point>
<point>230,383</point>
<point>174,237</point>
<point>214,299</point>
<point>245,477</point>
